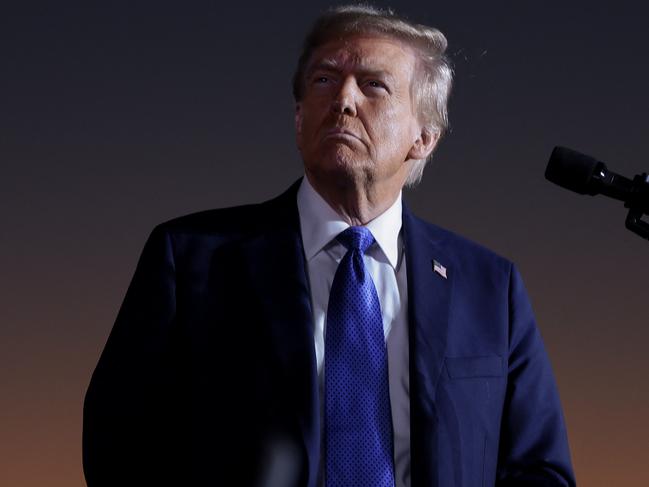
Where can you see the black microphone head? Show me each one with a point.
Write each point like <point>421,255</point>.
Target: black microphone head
<point>574,171</point>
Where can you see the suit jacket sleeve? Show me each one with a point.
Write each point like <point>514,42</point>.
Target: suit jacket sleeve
<point>125,435</point>
<point>533,445</point>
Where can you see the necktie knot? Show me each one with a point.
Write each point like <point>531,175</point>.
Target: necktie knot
<point>356,238</point>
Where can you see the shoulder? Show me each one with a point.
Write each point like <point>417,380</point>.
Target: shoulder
<point>450,241</point>
<point>232,222</point>
<point>470,256</point>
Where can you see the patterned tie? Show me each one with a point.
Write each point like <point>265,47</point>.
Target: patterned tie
<point>358,421</point>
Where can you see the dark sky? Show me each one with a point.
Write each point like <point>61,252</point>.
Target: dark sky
<point>115,117</point>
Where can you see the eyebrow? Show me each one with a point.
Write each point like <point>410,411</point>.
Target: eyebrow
<point>333,65</point>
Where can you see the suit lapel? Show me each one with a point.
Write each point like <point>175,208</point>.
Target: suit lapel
<point>277,272</point>
<point>429,303</point>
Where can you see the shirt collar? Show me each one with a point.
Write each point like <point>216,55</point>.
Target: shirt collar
<point>320,224</point>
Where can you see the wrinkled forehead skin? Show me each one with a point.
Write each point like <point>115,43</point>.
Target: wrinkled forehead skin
<point>343,53</point>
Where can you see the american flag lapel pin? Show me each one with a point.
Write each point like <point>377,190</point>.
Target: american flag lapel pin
<point>439,268</point>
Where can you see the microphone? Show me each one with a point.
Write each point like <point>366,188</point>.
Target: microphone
<point>586,175</point>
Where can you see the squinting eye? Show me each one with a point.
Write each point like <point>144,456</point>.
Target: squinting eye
<point>321,79</point>
<point>375,84</point>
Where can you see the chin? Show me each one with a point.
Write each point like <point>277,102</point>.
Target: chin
<point>342,157</point>
<point>338,164</point>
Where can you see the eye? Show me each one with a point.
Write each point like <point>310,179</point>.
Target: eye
<point>375,84</point>
<point>320,79</point>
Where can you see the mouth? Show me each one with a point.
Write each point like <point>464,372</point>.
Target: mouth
<point>340,133</point>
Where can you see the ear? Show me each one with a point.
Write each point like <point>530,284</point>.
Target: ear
<point>298,124</point>
<point>298,118</point>
<point>424,144</point>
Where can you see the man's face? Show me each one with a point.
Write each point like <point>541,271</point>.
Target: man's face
<point>356,121</point>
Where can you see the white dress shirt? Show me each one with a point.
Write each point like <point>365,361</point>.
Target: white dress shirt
<point>385,261</point>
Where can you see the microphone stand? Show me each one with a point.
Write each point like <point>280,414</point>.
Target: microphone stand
<point>637,202</point>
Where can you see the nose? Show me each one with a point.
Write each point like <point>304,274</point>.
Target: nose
<point>344,102</point>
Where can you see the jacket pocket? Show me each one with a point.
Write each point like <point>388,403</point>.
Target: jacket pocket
<point>469,367</point>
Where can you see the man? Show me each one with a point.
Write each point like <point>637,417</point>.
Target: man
<point>329,337</point>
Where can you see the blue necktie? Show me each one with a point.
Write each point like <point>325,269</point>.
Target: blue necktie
<point>358,421</point>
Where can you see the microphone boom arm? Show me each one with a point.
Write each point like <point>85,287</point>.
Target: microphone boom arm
<point>637,204</point>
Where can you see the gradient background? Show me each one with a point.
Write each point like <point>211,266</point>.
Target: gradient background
<point>116,117</point>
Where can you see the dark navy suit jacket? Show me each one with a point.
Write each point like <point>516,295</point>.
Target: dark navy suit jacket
<point>208,377</point>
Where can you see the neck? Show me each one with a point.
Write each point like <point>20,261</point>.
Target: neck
<point>357,202</point>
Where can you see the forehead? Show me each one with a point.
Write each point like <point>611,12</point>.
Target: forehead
<point>371,52</point>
